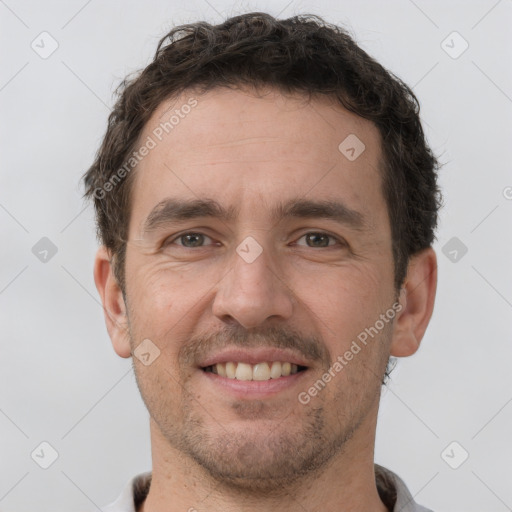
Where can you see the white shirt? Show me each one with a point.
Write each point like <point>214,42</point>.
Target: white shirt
<point>388,485</point>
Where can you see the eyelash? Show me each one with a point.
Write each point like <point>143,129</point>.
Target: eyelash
<point>321,233</point>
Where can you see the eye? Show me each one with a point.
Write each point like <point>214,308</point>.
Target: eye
<point>190,240</point>
<point>313,239</point>
<point>319,239</point>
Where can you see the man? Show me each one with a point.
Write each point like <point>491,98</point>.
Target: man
<point>266,203</point>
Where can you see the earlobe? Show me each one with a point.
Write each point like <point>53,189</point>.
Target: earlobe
<point>417,301</point>
<point>112,299</point>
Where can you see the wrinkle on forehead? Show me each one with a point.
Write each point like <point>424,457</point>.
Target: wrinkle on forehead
<point>233,146</point>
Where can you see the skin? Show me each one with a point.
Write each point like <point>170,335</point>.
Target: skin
<point>214,449</point>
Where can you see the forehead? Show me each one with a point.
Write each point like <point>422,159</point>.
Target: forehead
<point>249,149</point>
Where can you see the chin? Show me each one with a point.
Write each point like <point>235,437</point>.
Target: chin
<point>261,459</point>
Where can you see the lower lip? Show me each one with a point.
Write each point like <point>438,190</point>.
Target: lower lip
<point>256,389</point>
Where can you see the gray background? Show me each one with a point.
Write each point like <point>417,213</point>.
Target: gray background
<point>60,380</point>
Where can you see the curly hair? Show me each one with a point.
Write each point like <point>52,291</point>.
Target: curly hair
<point>302,54</point>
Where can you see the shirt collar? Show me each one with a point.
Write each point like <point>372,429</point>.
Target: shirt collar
<point>392,490</point>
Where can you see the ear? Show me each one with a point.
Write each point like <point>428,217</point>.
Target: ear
<point>114,306</point>
<point>417,301</point>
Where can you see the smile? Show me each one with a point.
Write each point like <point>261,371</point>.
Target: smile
<point>259,371</point>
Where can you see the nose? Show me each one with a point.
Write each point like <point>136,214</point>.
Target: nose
<point>253,292</point>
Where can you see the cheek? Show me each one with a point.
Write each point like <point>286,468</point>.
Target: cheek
<point>352,291</point>
<point>343,302</point>
<point>166,303</point>
<point>155,301</point>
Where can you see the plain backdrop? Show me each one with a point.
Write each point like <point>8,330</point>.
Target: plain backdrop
<point>61,382</point>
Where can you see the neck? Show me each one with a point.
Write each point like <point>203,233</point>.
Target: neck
<point>347,484</point>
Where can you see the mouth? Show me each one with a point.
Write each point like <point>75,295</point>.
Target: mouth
<point>262,371</point>
<point>256,373</point>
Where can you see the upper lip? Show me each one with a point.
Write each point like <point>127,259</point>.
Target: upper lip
<point>253,356</point>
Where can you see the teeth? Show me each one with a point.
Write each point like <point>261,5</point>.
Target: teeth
<point>243,372</point>
<point>221,369</point>
<point>230,370</point>
<point>275,370</point>
<point>259,371</point>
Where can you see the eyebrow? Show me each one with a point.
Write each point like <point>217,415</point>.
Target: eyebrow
<point>172,210</point>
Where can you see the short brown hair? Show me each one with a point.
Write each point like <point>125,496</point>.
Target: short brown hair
<point>302,54</point>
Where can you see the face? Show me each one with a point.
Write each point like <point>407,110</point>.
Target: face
<point>258,250</point>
